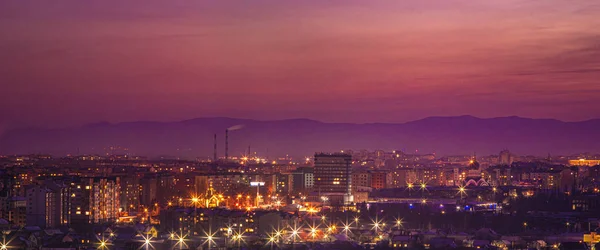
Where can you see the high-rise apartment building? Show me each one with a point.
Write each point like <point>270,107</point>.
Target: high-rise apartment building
<point>47,205</point>
<point>95,200</point>
<point>333,174</point>
<point>130,193</point>
<point>148,190</point>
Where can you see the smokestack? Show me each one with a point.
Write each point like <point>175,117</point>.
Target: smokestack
<point>215,149</point>
<point>226,144</point>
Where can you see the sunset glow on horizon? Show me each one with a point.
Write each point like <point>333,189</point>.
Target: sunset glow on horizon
<point>75,62</point>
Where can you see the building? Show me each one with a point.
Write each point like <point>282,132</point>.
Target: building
<point>95,200</point>
<point>501,176</point>
<point>47,205</point>
<point>225,183</point>
<point>130,193</point>
<point>36,205</point>
<point>402,177</point>
<point>584,162</point>
<point>505,158</point>
<point>361,179</point>
<point>105,196</point>
<point>586,203</point>
<point>148,190</point>
<point>18,211</point>
<point>380,179</point>
<point>166,188</point>
<point>284,183</point>
<point>333,175</point>
<point>303,179</point>
<point>556,179</point>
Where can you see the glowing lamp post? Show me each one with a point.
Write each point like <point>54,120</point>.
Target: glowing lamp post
<point>210,239</point>
<point>377,224</point>
<point>179,239</point>
<point>346,227</point>
<point>238,238</point>
<point>398,223</point>
<point>195,201</point>
<point>180,243</point>
<point>271,241</point>
<point>462,191</point>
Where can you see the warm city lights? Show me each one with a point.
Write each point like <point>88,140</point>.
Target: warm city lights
<point>360,125</point>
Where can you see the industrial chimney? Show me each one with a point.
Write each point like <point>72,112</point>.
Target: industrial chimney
<point>226,144</point>
<point>215,149</point>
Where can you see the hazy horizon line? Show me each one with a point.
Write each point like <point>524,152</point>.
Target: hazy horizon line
<point>286,119</point>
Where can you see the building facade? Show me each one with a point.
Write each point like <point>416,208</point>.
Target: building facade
<point>333,175</point>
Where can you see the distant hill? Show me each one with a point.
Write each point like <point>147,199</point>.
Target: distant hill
<point>303,137</point>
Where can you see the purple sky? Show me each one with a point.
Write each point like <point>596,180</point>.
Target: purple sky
<point>69,62</point>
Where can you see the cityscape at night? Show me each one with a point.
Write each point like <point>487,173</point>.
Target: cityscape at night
<point>350,199</point>
<point>300,125</point>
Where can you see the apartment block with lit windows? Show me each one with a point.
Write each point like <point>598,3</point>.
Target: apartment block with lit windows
<point>95,200</point>
<point>48,205</point>
<point>333,173</point>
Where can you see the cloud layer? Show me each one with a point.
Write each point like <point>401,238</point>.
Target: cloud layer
<point>354,61</point>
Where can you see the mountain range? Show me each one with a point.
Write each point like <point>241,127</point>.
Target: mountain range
<point>303,137</point>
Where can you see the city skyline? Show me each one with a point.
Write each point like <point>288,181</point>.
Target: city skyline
<point>267,124</point>
<point>78,62</point>
<point>301,137</point>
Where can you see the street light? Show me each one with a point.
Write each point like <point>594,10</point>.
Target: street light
<point>271,241</point>
<point>409,186</point>
<point>102,242</point>
<point>102,246</point>
<point>4,245</point>
<point>209,238</point>
<point>346,227</point>
<point>295,233</point>
<point>180,239</point>
<point>313,231</point>
<point>398,222</point>
<point>195,201</point>
<point>147,242</point>
<point>238,237</point>
<point>462,191</point>
<point>376,224</point>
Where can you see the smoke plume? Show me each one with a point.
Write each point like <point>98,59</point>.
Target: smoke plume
<point>236,127</point>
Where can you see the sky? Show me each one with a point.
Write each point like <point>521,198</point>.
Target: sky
<point>72,62</point>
